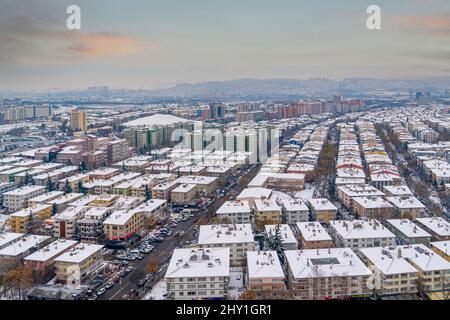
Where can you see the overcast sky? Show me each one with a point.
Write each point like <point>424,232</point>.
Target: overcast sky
<point>152,43</point>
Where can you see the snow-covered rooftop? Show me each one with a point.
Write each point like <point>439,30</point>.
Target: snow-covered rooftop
<point>313,231</point>
<point>443,246</point>
<point>79,253</point>
<point>361,229</point>
<point>156,120</point>
<point>287,236</point>
<point>9,237</point>
<point>264,264</point>
<point>23,245</point>
<point>294,205</point>
<point>408,228</point>
<point>51,251</point>
<point>225,233</point>
<point>207,262</point>
<point>333,262</point>
<point>388,260</point>
<point>237,206</point>
<point>436,224</point>
<point>321,204</point>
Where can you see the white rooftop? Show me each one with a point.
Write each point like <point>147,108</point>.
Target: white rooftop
<point>313,231</point>
<point>398,190</point>
<point>194,262</point>
<point>79,253</point>
<point>294,205</point>
<point>408,228</point>
<point>424,258</point>
<point>24,190</point>
<point>156,120</point>
<point>264,264</point>
<point>119,217</point>
<point>361,229</point>
<point>320,204</point>
<point>51,251</point>
<point>225,233</point>
<point>265,205</point>
<point>331,262</point>
<point>443,246</point>
<point>372,202</point>
<point>406,202</point>
<point>23,245</point>
<point>287,236</point>
<point>9,237</point>
<point>255,193</point>
<point>388,260</point>
<point>237,206</point>
<point>436,224</point>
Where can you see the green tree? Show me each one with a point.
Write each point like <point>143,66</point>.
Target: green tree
<point>50,185</point>
<point>80,187</point>
<point>148,195</point>
<point>67,188</point>
<point>54,209</point>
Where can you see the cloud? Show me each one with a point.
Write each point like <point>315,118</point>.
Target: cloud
<point>104,45</point>
<point>434,25</point>
<point>32,35</point>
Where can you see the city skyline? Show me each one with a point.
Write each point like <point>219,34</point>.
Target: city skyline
<point>156,44</point>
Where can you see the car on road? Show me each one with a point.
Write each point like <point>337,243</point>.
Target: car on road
<point>109,285</point>
<point>129,269</point>
<point>93,297</point>
<point>100,291</point>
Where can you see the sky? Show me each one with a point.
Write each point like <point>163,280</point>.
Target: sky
<point>156,43</point>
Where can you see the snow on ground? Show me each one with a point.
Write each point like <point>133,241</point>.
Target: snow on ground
<point>157,292</point>
<point>307,193</point>
<point>236,284</point>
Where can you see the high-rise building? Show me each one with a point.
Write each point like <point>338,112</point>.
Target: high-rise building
<point>78,120</point>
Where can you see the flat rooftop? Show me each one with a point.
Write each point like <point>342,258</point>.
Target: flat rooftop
<point>318,263</point>
<point>313,231</point>
<point>237,206</point>
<point>436,224</point>
<point>225,233</point>
<point>361,229</point>
<point>51,251</point>
<point>199,263</point>
<point>23,245</point>
<point>287,236</point>
<point>79,253</point>
<point>264,264</point>
<point>408,228</point>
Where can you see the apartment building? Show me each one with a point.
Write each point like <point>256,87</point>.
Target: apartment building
<point>78,263</point>
<point>436,226</point>
<point>408,232</point>
<point>359,234</point>
<point>295,210</point>
<point>442,248</point>
<point>322,209</point>
<point>407,207</point>
<point>164,190</point>
<point>265,275</point>
<point>184,193</point>
<point>347,193</point>
<point>65,223</point>
<point>237,237</point>
<point>397,191</point>
<point>21,221</point>
<point>333,273</point>
<point>394,274</point>
<point>24,246</point>
<point>314,236</point>
<point>288,238</point>
<point>7,238</point>
<point>278,181</point>
<point>268,211</point>
<point>121,225</point>
<point>434,271</point>
<point>237,212</point>
<point>46,197</point>
<point>18,198</point>
<point>90,226</point>
<point>43,259</point>
<point>154,209</point>
<point>201,273</point>
<point>373,207</point>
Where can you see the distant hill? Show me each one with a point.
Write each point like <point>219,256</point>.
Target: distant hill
<point>245,88</point>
